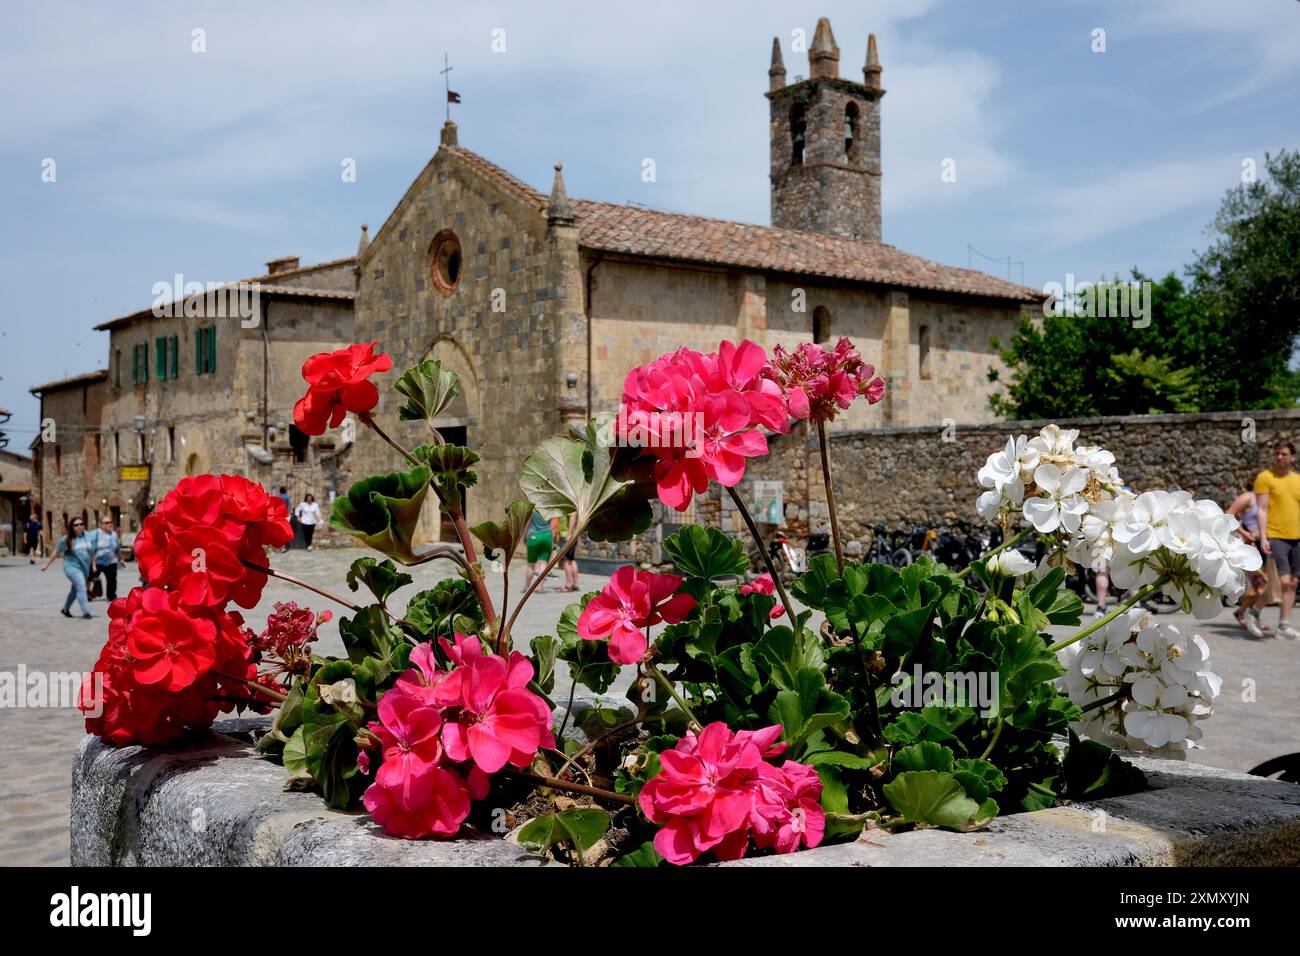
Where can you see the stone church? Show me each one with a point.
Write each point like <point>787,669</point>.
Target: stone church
<point>542,303</point>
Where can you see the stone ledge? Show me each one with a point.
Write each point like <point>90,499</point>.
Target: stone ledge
<point>214,803</point>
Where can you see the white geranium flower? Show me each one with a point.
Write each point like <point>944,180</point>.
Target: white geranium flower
<point>1003,467</point>
<point>1181,533</point>
<point>1148,512</point>
<point>1101,649</point>
<point>1161,722</point>
<point>1054,444</point>
<point>1011,563</point>
<point>1129,570</point>
<point>1058,505</point>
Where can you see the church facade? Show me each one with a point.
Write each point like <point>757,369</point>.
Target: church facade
<point>542,302</point>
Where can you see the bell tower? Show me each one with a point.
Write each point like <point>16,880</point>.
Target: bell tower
<point>826,143</point>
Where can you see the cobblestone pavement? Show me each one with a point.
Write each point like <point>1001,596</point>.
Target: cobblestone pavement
<point>1256,717</point>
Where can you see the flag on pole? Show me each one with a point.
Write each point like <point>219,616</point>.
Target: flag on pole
<point>453,96</point>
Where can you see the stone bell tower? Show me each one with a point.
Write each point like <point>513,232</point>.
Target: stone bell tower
<point>826,143</point>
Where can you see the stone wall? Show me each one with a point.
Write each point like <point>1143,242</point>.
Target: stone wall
<point>926,475</point>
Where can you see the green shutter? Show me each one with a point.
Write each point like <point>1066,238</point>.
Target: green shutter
<point>212,348</point>
<point>160,357</point>
<point>173,346</point>
<point>135,365</point>
<point>144,362</point>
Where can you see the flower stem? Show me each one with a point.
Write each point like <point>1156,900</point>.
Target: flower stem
<point>830,494</point>
<point>272,572</point>
<point>1141,595</point>
<point>475,572</point>
<point>555,783</point>
<point>568,709</point>
<point>997,732</point>
<point>274,695</point>
<point>762,550</point>
<point>503,639</point>
<point>672,691</point>
<point>368,420</point>
<point>1102,702</point>
<point>1002,547</point>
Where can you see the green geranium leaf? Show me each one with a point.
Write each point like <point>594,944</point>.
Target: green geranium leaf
<point>1025,664</point>
<point>450,474</point>
<point>382,511</point>
<point>937,799</point>
<point>368,634</point>
<point>606,490</point>
<point>544,648</point>
<point>811,587</point>
<point>978,778</point>
<point>589,663</point>
<point>1092,770</point>
<point>644,855</point>
<point>430,388</point>
<point>295,753</point>
<point>505,536</point>
<point>382,578</point>
<point>580,828</point>
<point>938,724</point>
<point>927,755</point>
<point>807,709</point>
<point>706,553</point>
<point>445,607</point>
<point>785,654</point>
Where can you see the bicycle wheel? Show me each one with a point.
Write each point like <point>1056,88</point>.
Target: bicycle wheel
<point>901,558</point>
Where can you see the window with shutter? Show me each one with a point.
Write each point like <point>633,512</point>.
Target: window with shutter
<point>160,358</point>
<point>135,365</point>
<point>212,348</point>
<point>172,359</point>
<point>144,362</point>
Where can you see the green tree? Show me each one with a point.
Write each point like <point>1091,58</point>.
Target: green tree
<point>1221,344</point>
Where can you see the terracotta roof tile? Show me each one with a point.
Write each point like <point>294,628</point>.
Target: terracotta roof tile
<point>637,231</point>
<point>83,379</point>
<point>262,288</point>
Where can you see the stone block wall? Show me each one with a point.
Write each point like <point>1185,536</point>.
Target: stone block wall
<point>926,475</point>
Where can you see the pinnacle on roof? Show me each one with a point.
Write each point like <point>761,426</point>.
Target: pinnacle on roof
<point>776,72</point>
<point>823,55</point>
<point>871,72</point>
<point>558,210</point>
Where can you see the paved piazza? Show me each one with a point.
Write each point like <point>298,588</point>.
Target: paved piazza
<point>1256,716</point>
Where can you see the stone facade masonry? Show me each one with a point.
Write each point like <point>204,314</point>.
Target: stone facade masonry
<point>508,328</point>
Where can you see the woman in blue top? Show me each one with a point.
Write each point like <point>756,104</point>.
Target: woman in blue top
<point>77,550</point>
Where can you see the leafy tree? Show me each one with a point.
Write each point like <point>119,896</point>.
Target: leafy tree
<point>1221,344</point>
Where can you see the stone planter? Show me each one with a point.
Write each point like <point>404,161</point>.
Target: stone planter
<point>212,802</point>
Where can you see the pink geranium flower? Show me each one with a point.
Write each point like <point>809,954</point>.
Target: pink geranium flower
<point>714,789</point>
<point>632,601</point>
<point>763,584</point>
<point>698,415</point>
<point>818,383</point>
<point>499,722</point>
<point>408,733</point>
<point>433,803</point>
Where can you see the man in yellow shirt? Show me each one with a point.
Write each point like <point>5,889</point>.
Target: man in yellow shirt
<point>1277,490</point>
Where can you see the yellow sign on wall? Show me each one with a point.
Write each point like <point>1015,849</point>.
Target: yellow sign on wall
<point>134,473</point>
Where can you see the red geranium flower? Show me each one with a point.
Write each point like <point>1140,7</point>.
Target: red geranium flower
<point>818,382</point>
<point>338,383</point>
<point>168,648</point>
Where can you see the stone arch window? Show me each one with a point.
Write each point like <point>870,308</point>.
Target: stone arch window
<point>852,131</point>
<point>193,466</point>
<point>821,324</point>
<point>798,127</point>
<point>923,342</point>
<point>445,261</point>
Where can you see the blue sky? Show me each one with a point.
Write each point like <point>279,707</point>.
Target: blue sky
<point>210,164</point>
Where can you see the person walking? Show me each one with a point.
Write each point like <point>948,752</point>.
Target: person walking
<point>288,510</point>
<point>1246,510</point>
<point>106,557</point>
<point>539,544</point>
<point>1277,496</point>
<point>77,550</point>
<point>308,515</point>
<point>563,527</point>
<point>32,537</point>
